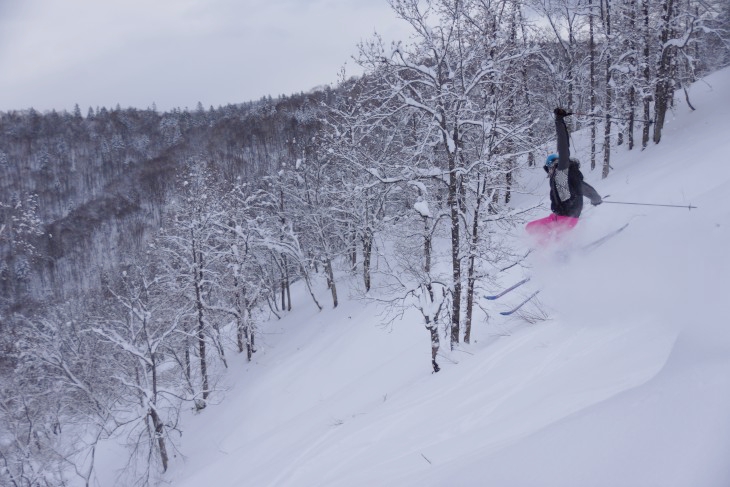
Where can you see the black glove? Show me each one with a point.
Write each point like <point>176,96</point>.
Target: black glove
<point>597,202</point>
<point>560,113</point>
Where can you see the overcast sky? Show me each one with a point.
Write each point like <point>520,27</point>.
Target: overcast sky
<point>56,53</point>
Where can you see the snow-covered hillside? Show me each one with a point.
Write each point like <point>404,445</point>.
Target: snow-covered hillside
<point>627,383</point>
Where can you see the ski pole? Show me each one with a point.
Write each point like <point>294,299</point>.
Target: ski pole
<point>689,207</point>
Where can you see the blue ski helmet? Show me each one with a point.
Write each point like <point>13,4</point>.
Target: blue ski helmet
<point>550,160</point>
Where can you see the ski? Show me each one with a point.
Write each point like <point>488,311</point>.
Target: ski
<point>585,248</point>
<point>511,311</point>
<point>511,288</point>
<point>598,242</point>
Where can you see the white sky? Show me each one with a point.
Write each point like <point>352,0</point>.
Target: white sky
<point>55,53</point>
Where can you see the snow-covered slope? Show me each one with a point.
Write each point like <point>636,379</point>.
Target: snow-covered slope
<point>626,384</point>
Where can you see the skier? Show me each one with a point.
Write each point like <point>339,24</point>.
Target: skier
<point>567,188</point>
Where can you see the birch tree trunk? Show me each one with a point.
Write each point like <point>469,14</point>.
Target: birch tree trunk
<point>609,96</point>
<point>664,92</point>
<point>592,55</point>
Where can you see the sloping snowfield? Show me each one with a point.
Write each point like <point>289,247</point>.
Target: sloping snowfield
<point>627,383</point>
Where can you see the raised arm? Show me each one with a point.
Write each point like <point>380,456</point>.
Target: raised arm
<point>563,141</point>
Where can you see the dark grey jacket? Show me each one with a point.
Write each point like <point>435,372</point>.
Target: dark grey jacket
<point>567,187</point>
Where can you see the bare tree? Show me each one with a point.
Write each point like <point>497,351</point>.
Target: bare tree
<point>188,255</point>
<point>139,333</point>
<point>442,79</point>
